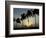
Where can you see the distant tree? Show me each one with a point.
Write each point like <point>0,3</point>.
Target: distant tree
<point>28,14</point>
<point>18,20</point>
<point>23,17</point>
<point>36,11</point>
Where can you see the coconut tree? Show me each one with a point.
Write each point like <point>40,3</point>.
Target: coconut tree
<point>18,20</point>
<point>36,11</point>
<point>28,14</point>
<point>23,17</point>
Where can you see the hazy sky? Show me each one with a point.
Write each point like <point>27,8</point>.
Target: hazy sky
<point>19,11</point>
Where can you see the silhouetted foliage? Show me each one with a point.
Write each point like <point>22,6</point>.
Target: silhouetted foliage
<point>23,16</point>
<point>28,13</point>
<point>36,11</point>
<point>18,20</point>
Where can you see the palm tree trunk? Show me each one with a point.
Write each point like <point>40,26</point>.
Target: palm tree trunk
<point>22,22</point>
<point>28,21</point>
<point>35,20</point>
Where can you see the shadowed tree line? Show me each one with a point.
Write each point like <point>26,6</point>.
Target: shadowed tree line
<point>29,13</point>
